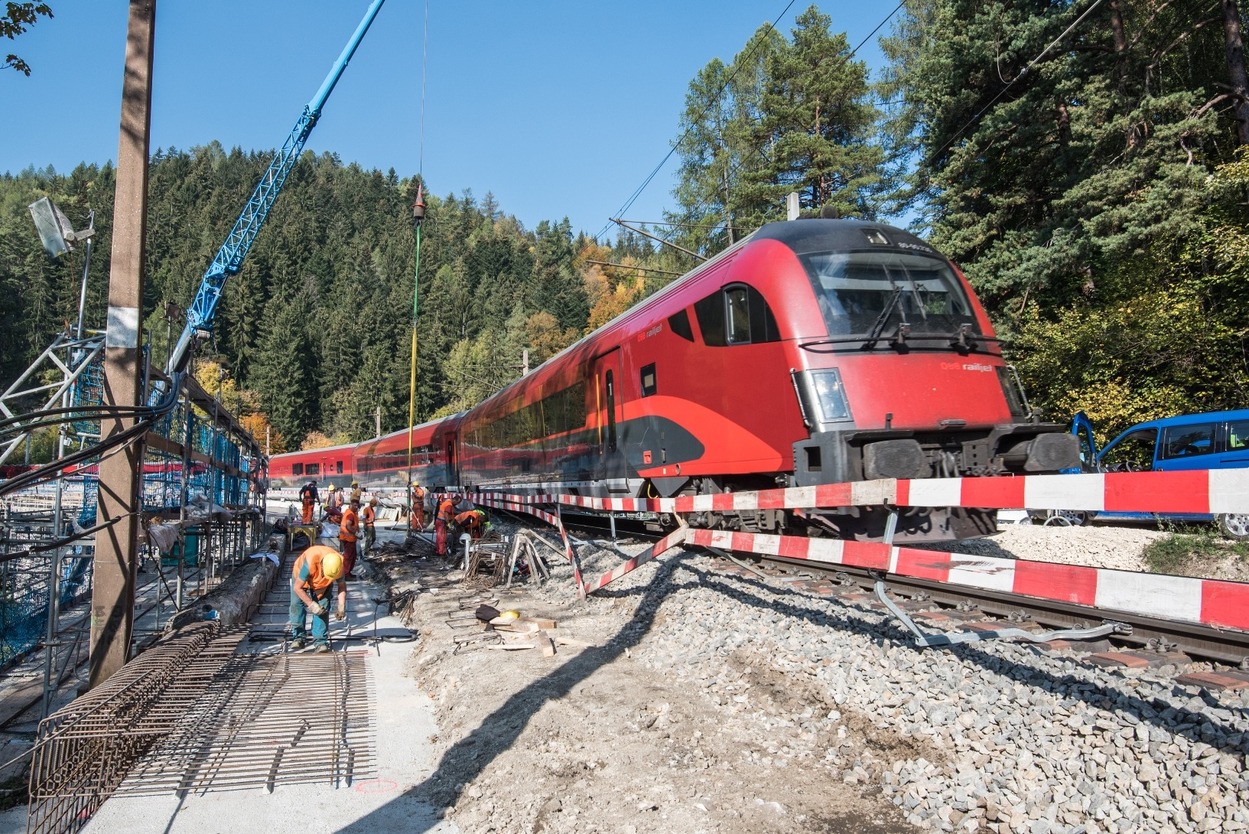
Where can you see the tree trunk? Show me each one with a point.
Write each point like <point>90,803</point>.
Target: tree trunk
<point>1236,68</point>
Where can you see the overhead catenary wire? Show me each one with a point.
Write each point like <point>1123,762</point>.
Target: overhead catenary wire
<point>655,172</point>
<point>1027,68</point>
<point>720,92</point>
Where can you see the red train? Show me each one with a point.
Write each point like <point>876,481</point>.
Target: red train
<point>813,351</point>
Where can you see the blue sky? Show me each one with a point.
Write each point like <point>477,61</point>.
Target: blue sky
<point>558,107</point>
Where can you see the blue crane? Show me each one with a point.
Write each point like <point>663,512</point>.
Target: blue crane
<point>229,259</point>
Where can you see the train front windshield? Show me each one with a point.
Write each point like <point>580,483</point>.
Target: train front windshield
<point>873,294</point>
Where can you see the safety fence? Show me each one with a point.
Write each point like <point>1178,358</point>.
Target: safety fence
<point>1205,601</point>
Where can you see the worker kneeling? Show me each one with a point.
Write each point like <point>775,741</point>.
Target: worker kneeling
<point>313,578</point>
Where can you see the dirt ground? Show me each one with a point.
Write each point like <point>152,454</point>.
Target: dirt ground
<point>605,736</point>
<point>591,741</point>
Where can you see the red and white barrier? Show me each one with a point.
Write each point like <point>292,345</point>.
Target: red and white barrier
<point>1208,602</point>
<point>1210,491</point>
<point>1205,601</point>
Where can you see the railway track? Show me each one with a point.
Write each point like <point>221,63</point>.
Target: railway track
<point>936,610</point>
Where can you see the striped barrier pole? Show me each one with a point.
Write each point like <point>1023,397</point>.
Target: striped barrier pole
<point>1210,602</point>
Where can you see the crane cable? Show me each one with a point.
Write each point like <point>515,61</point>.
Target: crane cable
<point>418,215</point>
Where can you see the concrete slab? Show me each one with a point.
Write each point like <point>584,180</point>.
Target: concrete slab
<point>390,801</point>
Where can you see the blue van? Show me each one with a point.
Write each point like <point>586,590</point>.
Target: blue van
<point>1214,440</point>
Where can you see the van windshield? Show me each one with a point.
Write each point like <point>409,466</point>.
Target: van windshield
<point>871,293</point>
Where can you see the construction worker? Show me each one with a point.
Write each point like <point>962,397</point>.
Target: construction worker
<point>348,532</point>
<point>446,514</point>
<point>473,522</point>
<point>334,505</point>
<point>308,497</point>
<point>417,518</point>
<point>313,578</point>
<point>368,516</point>
<point>356,493</point>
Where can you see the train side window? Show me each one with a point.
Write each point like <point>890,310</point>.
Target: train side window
<point>710,313</point>
<point>680,324</point>
<point>297,469</point>
<point>1237,435</point>
<point>339,468</point>
<point>738,316</point>
<point>763,327</point>
<point>648,380</point>
<point>749,317</point>
<point>313,469</point>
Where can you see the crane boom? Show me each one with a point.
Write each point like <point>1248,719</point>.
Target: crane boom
<point>229,258</point>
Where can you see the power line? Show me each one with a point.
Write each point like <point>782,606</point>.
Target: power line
<point>720,92</point>
<point>1022,73</point>
<point>638,191</point>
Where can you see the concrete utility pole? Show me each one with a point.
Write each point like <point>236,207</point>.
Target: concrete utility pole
<point>121,474</point>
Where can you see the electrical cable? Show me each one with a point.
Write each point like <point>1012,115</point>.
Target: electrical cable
<point>86,410</point>
<point>51,470</point>
<point>68,540</point>
<point>638,191</point>
<point>1011,83</point>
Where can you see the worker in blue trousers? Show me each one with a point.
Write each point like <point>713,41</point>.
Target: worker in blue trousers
<point>314,577</point>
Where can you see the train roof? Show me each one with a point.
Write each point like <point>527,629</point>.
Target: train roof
<point>822,235</point>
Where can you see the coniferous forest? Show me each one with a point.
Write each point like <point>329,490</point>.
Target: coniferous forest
<point>1082,162</point>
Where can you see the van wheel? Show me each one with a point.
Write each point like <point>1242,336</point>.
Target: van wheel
<point>1234,525</point>
<point>1064,518</point>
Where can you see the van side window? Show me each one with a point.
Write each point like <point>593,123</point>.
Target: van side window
<point>1237,435</point>
<point>1187,441</point>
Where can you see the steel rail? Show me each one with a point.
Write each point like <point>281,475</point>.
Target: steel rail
<point>1228,647</point>
<point>1224,646</point>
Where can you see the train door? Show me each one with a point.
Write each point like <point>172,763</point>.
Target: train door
<point>452,463</point>
<point>609,408</point>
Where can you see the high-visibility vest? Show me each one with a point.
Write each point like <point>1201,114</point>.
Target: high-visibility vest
<point>446,509</point>
<point>307,569</point>
<point>350,525</point>
<point>368,516</point>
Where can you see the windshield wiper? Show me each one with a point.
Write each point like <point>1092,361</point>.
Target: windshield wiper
<point>964,339</point>
<point>878,326</point>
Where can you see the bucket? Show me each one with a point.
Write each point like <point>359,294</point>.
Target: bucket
<point>191,558</point>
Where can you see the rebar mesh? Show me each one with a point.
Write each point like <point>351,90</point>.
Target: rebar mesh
<point>192,714</point>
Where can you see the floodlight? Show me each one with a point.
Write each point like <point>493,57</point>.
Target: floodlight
<point>55,231</point>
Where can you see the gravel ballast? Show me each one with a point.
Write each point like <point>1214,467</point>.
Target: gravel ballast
<point>714,701</point>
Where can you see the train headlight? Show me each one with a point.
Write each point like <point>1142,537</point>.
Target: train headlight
<point>830,395</point>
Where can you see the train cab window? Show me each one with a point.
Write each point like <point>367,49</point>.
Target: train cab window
<point>297,469</point>
<point>872,293</point>
<point>736,315</point>
<point>648,380</point>
<point>680,324</point>
<point>1237,435</point>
